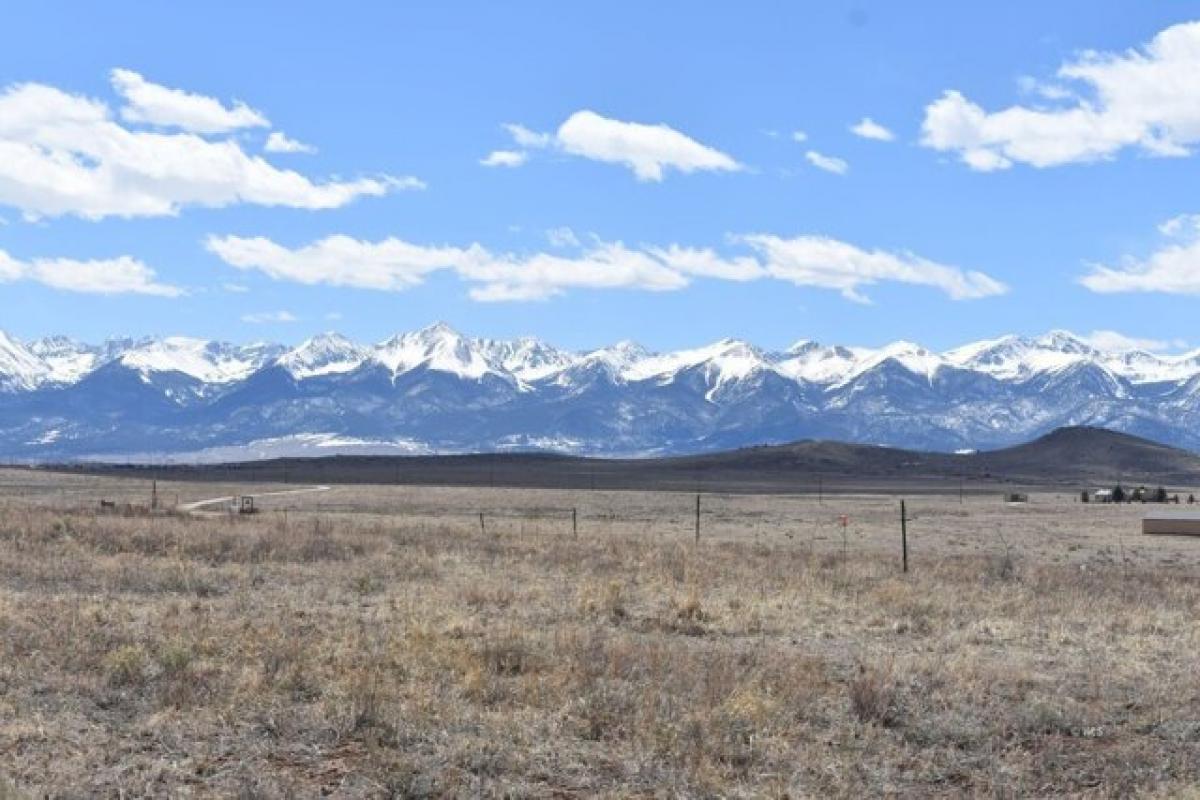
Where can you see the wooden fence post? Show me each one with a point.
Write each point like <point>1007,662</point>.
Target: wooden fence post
<point>904,535</point>
<point>575,522</point>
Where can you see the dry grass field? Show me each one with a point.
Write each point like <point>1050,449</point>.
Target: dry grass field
<point>381,642</point>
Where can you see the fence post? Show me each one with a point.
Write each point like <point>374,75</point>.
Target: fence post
<point>697,518</point>
<point>575,522</point>
<point>904,535</point>
<point>482,528</point>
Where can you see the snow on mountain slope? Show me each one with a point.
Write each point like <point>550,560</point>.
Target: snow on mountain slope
<point>619,359</point>
<point>1018,357</point>
<point>20,370</point>
<point>61,361</point>
<point>913,357</point>
<point>325,354</point>
<point>207,362</point>
<point>528,359</point>
<point>724,361</point>
<point>816,363</point>
<point>66,360</point>
<point>439,348</point>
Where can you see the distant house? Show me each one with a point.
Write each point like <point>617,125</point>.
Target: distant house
<point>1102,496</point>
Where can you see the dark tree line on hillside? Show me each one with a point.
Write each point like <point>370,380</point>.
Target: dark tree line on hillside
<point>1119,494</point>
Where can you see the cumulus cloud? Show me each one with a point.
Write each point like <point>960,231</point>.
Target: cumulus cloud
<point>279,142</point>
<point>832,264</point>
<point>504,158</point>
<point>1112,341</point>
<point>649,151</point>
<point>1146,98</point>
<point>394,265</point>
<point>527,138</point>
<point>562,237</point>
<point>122,275</point>
<point>828,163</point>
<point>62,153</point>
<point>1174,268</point>
<point>868,128</point>
<point>152,104</point>
<point>269,317</point>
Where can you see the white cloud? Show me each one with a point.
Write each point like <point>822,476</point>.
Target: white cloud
<point>149,103</point>
<point>505,158</point>
<point>707,263</point>
<point>122,275</point>
<point>828,163</point>
<point>562,237</point>
<point>1148,98</point>
<point>526,138</point>
<point>1112,341</point>
<point>64,154</point>
<point>868,128</point>
<point>1172,269</point>
<point>648,150</point>
<point>279,142</point>
<point>831,264</point>
<point>394,265</point>
<point>1182,225</point>
<point>269,317</point>
<point>10,268</point>
<point>542,275</point>
<point>799,136</point>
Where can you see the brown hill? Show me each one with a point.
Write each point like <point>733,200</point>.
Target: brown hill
<point>1065,458</point>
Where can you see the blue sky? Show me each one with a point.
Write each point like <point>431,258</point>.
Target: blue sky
<point>998,216</point>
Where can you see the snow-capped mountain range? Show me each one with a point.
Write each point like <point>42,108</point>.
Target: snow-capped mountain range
<point>435,390</point>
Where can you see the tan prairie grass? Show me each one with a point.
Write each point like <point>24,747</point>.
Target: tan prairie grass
<point>381,645</point>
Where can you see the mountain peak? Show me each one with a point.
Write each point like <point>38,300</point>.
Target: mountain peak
<point>436,347</point>
<point>437,331</point>
<point>1066,342</point>
<point>20,370</point>
<point>207,361</point>
<point>328,353</point>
